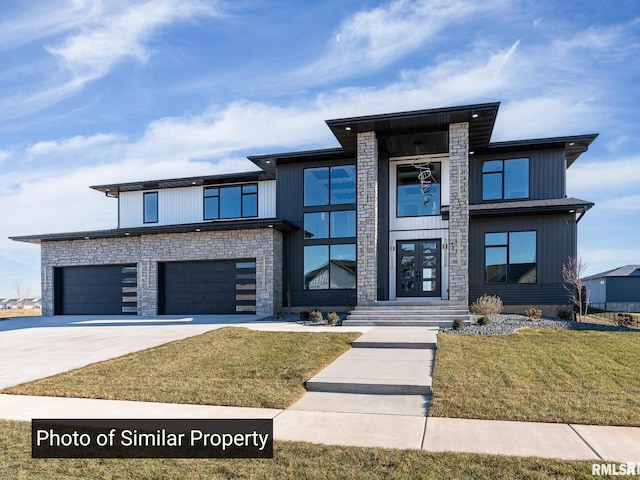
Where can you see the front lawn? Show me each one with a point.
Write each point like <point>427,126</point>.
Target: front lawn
<point>291,461</point>
<point>539,375</point>
<point>229,366</point>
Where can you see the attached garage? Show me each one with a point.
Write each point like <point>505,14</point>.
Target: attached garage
<point>207,287</point>
<point>95,290</point>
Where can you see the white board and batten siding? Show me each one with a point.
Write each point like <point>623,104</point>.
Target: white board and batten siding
<point>184,205</point>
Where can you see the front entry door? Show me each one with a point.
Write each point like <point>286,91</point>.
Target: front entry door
<point>418,268</point>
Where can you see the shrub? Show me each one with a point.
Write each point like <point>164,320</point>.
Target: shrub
<point>458,324</point>
<point>533,313</point>
<point>316,316</point>
<point>484,320</point>
<point>304,315</point>
<point>333,318</point>
<point>624,320</point>
<point>565,313</point>
<point>486,305</point>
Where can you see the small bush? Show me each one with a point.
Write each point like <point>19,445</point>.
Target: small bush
<point>565,313</point>
<point>304,315</point>
<point>486,305</point>
<point>316,316</point>
<point>484,320</point>
<point>458,324</point>
<point>533,314</point>
<point>333,318</point>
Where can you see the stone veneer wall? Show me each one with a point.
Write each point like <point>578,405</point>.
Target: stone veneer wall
<point>367,222</point>
<point>459,212</point>
<point>265,245</point>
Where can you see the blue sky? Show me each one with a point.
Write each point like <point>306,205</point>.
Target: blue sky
<point>93,92</point>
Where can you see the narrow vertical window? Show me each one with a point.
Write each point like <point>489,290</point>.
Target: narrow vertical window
<point>150,207</point>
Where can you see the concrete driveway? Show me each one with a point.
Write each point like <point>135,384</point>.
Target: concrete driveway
<point>38,347</point>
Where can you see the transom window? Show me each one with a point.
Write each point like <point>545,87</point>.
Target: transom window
<point>329,185</point>
<point>418,189</point>
<point>150,207</point>
<point>231,202</point>
<point>505,179</point>
<point>510,257</point>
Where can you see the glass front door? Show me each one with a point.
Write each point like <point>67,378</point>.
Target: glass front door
<point>418,268</point>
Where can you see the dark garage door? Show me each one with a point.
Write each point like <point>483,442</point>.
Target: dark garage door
<point>207,287</point>
<point>95,290</point>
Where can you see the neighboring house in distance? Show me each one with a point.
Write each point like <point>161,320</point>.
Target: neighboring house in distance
<point>616,290</point>
<point>412,206</point>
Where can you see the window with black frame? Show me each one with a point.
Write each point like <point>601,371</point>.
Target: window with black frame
<point>505,179</point>
<point>150,207</point>
<point>510,257</point>
<point>329,227</point>
<point>238,201</point>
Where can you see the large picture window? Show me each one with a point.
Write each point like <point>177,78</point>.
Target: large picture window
<point>329,185</point>
<point>505,179</point>
<point>231,202</point>
<point>150,207</point>
<point>418,189</point>
<point>510,257</point>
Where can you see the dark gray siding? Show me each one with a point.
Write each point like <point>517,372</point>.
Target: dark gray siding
<point>623,289</point>
<point>383,226</point>
<point>556,241</point>
<point>547,174</point>
<point>290,206</point>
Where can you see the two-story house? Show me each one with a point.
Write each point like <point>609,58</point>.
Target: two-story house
<point>412,205</point>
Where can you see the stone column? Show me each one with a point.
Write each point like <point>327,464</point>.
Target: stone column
<point>459,212</point>
<point>367,222</point>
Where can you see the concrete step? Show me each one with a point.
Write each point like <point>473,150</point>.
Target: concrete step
<point>411,308</point>
<point>406,316</point>
<point>410,303</point>
<point>401,323</point>
<point>397,371</point>
<point>400,337</point>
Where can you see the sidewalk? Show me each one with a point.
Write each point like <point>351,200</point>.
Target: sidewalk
<point>547,440</point>
<point>375,395</point>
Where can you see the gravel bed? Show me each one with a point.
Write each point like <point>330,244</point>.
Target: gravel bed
<point>505,324</point>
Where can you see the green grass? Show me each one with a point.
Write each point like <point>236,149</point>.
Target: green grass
<point>291,461</point>
<point>229,366</point>
<point>539,375</point>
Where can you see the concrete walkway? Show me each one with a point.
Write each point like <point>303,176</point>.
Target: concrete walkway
<point>338,418</point>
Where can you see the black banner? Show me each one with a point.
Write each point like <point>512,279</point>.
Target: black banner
<point>152,438</point>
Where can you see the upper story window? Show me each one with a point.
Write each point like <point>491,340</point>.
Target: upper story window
<point>505,179</point>
<point>329,185</point>
<point>418,189</point>
<point>150,207</point>
<point>335,224</point>
<point>510,257</point>
<point>231,202</point>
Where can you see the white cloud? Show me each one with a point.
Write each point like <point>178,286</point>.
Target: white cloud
<point>119,35</point>
<point>604,175</point>
<point>374,38</point>
<point>66,146</point>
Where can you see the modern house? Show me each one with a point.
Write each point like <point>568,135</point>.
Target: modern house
<point>616,290</point>
<point>416,205</point>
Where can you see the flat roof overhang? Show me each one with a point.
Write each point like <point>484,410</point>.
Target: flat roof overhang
<point>216,225</point>
<point>420,131</point>
<point>573,145</point>
<point>526,207</point>
<point>113,190</point>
